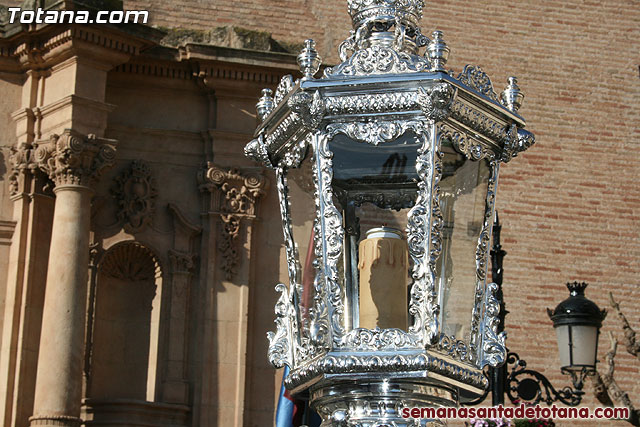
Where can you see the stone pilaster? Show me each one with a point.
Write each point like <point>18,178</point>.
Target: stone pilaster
<point>234,196</point>
<point>231,206</point>
<point>74,163</point>
<point>30,191</point>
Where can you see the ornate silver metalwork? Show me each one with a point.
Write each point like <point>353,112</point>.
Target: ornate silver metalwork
<point>280,343</point>
<point>424,223</point>
<point>374,132</point>
<point>436,101</point>
<point>438,52</point>
<point>265,104</point>
<point>378,60</point>
<point>330,224</point>
<point>371,103</point>
<point>485,319</point>
<point>494,350</point>
<point>257,150</point>
<point>512,96</point>
<point>309,60</point>
<point>382,89</point>
<point>465,144</point>
<point>309,107</point>
<point>518,140</point>
<point>476,79</point>
<point>357,363</point>
<point>284,87</point>
<point>478,120</point>
<point>453,347</point>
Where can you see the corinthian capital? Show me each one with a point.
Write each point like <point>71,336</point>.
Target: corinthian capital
<point>75,159</point>
<point>25,175</point>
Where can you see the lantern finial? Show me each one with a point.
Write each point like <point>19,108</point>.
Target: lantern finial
<point>363,11</point>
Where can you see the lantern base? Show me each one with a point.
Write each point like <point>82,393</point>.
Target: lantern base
<point>380,402</point>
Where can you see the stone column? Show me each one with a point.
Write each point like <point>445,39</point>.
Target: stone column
<point>74,163</point>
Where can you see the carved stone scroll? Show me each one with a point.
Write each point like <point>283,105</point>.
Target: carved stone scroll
<point>234,197</point>
<point>135,192</point>
<point>75,159</point>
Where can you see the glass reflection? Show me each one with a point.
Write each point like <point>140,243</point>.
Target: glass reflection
<point>463,191</point>
<point>302,205</point>
<point>375,187</point>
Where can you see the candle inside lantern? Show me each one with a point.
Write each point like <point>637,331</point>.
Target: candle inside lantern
<point>383,279</point>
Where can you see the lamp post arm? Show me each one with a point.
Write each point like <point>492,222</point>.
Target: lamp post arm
<point>531,387</point>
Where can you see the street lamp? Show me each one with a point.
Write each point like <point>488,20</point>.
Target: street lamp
<point>574,319</point>
<point>393,163</point>
<point>577,321</point>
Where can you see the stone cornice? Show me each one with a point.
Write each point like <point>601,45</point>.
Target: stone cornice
<point>209,63</point>
<point>47,45</point>
<point>73,159</point>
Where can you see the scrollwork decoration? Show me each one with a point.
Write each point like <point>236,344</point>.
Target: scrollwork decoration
<point>476,79</point>
<point>435,102</point>
<point>371,103</point>
<point>453,347</point>
<point>280,343</point>
<point>374,132</point>
<point>336,363</point>
<point>423,306</point>
<point>361,339</point>
<point>379,60</point>
<point>310,107</point>
<point>484,326</point>
<point>494,348</point>
<point>135,191</point>
<point>517,140</point>
<point>235,198</point>
<point>257,150</point>
<point>330,224</point>
<point>284,87</point>
<point>463,143</point>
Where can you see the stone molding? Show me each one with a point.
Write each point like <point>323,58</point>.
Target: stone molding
<point>136,192</point>
<point>42,47</point>
<point>234,197</point>
<point>72,159</point>
<point>54,420</point>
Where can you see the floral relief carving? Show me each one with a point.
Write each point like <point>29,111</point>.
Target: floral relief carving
<point>75,159</point>
<point>135,192</point>
<point>182,262</point>
<point>22,163</point>
<point>234,197</point>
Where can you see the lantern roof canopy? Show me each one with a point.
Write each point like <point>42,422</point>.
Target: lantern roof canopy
<point>382,77</point>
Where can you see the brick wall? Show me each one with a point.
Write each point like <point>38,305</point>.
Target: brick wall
<point>569,205</point>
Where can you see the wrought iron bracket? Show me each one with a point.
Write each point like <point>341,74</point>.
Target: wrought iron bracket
<point>531,387</point>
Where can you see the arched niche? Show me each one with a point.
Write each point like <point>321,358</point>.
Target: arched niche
<point>124,348</point>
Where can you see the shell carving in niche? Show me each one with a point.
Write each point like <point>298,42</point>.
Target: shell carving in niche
<point>135,192</point>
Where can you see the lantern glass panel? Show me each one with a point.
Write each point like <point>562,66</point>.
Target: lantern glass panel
<point>302,205</point>
<point>577,345</point>
<point>375,186</point>
<point>463,192</point>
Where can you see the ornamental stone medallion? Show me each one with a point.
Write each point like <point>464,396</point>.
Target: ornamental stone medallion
<point>135,192</point>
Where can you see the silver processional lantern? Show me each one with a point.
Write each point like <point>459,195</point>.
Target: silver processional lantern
<point>386,169</point>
